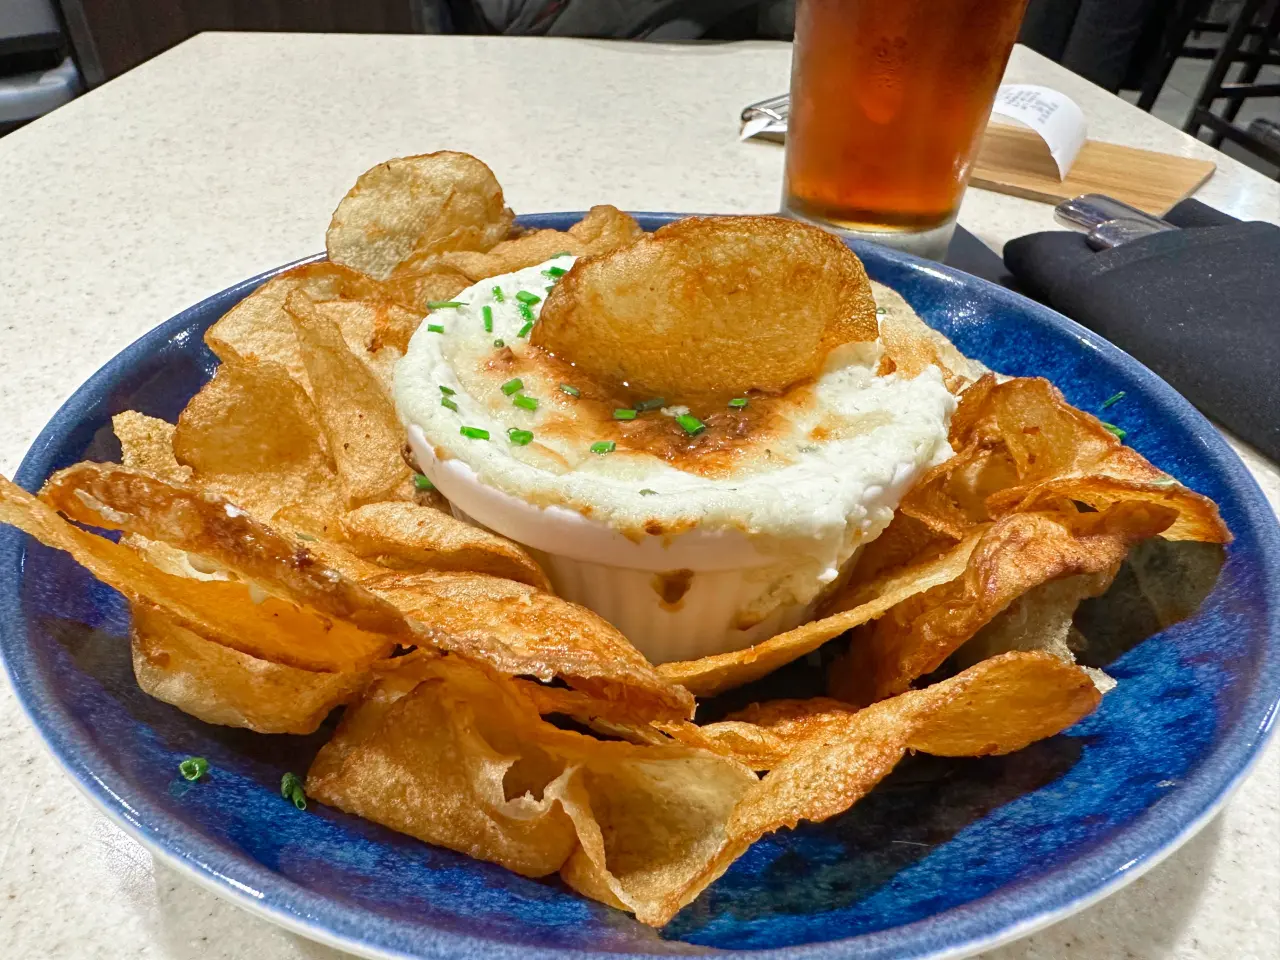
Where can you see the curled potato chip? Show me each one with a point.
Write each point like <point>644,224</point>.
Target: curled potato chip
<point>710,308</point>
<point>452,760</point>
<point>424,204</point>
<point>911,345</point>
<point>356,414</point>
<point>220,685</point>
<point>412,537</point>
<point>519,630</point>
<point>603,229</point>
<point>223,611</point>
<point>253,435</point>
<point>146,444</point>
<point>1022,447</point>
<point>723,671</point>
<point>114,498</point>
<point>1013,556</point>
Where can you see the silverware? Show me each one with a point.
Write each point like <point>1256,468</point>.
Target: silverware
<point>1106,221</point>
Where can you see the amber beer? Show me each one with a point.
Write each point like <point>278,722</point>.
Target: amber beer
<point>889,99</point>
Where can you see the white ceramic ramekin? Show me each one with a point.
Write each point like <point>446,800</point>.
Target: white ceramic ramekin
<point>674,597</point>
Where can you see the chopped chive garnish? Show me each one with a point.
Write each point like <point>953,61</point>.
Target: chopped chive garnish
<point>656,403</point>
<point>624,413</point>
<point>448,404</point>
<point>291,789</point>
<point>499,343</point>
<point>474,433</point>
<point>738,403</point>
<point>692,425</point>
<point>524,331</point>
<point>555,273</point>
<point>1113,400</point>
<point>447,391</point>
<point>434,328</point>
<point>603,446</point>
<point>1118,432</point>
<point>444,304</point>
<point>881,311</point>
<point>487,312</point>
<point>527,298</point>
<point>570,390</point>
<point>514,385</point>
<point>525,403</point>
<point>193,768</point>
<point>646,492</point>
<point>305,536</point>
<point>521,438</point>
<point>525,312</point>
<point>422,482</point>
<point>499,295</point>
<point>562,253</point>
<point>549,289</point>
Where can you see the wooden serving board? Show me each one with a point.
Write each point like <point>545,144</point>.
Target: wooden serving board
<point>1015,160</point>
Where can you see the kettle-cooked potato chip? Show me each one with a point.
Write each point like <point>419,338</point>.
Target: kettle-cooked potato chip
<point>708,308</point>
<point>146,444</point>
<point>425,204</point>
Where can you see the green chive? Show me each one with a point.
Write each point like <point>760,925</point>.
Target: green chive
<point>562,253</point>
<point>291,789</point>
<point>193,768</point>
<point>550,288</point>
<point>570,390</point>
<point>448,404</point>
<point>525,312</point>
<point>487,312</point>
<point>422,482</point>
<point>656,403</point>
<point>434,328</point>
<point>499,343</point>
<point>527,298</point>
<point>646,492</point>
<point>305,536</point>
<point>603,446</point>
<point>554,273</point>
<point>1115,431</point>
<point>498,295</point>
<point>447,391</point>
<point>444,304</point>
<point>525,403</point>
<point>1113,400</point>
<point>524,331</point>
<point>514,385</point>
<point>622,413</point>
<point>881,311</point>
<point>738,403</point>
<point>521,438</point>
<point>474,433</point>
<point>692,425</point>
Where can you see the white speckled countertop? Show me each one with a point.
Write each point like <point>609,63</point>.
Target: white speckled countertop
<point>225,157</point>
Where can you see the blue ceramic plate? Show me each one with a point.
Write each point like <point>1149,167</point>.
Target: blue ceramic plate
<point>943,859</point>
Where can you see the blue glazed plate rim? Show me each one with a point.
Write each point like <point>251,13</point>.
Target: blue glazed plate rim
<point>1008,914</point>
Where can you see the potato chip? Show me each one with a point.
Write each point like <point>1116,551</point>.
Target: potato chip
<point>220,685</point>
<point>723,671</point>
<point>1013,556</point>
<point>603,229</point>
<point>999,706</point>
<point>911,345</point>
<point>410,537</point>
<point>423,761</point>
<point>708,308</point>
<point>114,498</point>
<point>1021,446</point>
<point>146,444</point>
<point>223,611</point>
<point>424,204</point>
<point>417,284</point>
<point>357,416</point>
<point>258,327</point>
<point>253,435</point>
<point>519,630</point>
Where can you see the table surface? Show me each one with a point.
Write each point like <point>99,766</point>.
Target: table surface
<point>225,157</point>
